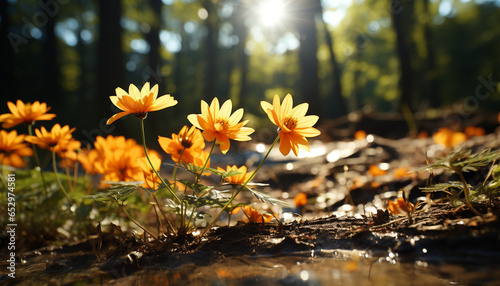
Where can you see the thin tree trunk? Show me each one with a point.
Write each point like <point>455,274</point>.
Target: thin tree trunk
<point>7,72</point>
<point>402,15</point>
<point>50,72</point>
<point>308,60</point>
<point>153,38</point>
<point>339,107</point>
<point>212,51</point>
<point>430,73</point>
<point>110,63</point>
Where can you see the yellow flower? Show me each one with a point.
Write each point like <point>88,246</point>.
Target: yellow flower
<point>150,179</point>
<point>138,102</point>
<point>25,113</point>
<point>293,125</point>
<point>57,139</point>
<point>400,207</point>
<point>189,143</point>
<point>13,148</point>
<point>218,123</point>
<point>236,179</point>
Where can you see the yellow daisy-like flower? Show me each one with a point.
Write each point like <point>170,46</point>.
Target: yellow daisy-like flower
<point>218,123</point>
<point>58,138</point>
<point>13,148</point>
<point>236,179</point>
<point>25,113</point>
<point>140,102</point>
<point>294,125</point>
<point>189,143</point>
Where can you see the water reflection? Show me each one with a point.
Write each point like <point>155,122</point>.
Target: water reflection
<point>332,267</point>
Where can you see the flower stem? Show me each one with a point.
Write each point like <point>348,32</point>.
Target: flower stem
<point>240,189</point>
<point>466,193</point>
<point>37,160</point>
<point>137,223</point>
<point>206,162</point>
<point>151,164</point>
<point>57,177</point>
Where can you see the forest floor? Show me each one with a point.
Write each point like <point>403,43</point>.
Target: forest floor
<point>459,246</point>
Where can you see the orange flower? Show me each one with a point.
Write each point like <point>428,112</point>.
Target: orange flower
<point>448,138</point>
<point>150,179</point>
<point>218,123</point>
<point>236,179</point>
<point>138,102</point>
<point>117,158</point>
<point>25,113</point>
<point>300,200</point>
<point>399,207</point>
<point>374,170</point>
<point>423,134</point>
<point>402,172</point>
<point>189,143</point>
<point>89,159</point>
<point>122,165</point>
<point>473,131</point>
<point>57,139</point>
<point>360,135</point>
<point>13,148</point>
<point>254,216</point>
<point>293,125</point>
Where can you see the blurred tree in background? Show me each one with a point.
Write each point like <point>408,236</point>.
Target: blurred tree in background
<point>338,55</point>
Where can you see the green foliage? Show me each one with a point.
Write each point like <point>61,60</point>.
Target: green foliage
<point>463,161</point>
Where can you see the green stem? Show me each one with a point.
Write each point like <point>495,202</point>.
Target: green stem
<point>57,177</point>
<point>137,223</point>
<point>37,160</point>
<point>174,172</point>
<point>241,188</point>
<point>466,193</point>
<point>206,162</point>
<point>151,164</point>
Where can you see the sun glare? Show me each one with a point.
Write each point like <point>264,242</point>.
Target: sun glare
<point>271,12</point>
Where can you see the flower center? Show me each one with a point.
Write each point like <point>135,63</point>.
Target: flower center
<point>290,123</point>
<point>185,142</point>
<point>221,124</point>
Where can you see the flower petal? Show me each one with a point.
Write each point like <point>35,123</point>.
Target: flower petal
<point>117,116</point>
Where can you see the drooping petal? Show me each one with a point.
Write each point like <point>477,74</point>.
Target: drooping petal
<point>117,116</point>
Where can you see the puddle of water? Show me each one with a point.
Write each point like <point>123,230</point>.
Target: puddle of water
<point>333,268</point>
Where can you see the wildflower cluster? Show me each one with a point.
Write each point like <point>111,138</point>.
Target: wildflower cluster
<point>126,162</point>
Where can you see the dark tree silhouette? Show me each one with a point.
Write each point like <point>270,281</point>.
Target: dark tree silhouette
<point>212,51</point>
<point>402,17</point>
<point>50,65</point>
<point>110,60</point>
<point>7,75</point>
<point>339,107</point>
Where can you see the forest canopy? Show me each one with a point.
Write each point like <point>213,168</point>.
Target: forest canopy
<point>338,55</point>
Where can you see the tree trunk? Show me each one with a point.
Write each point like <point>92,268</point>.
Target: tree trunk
<point>308,60</point>
<point>110,60</point>
<point>241,56</point>
<point>402,17</point>
<point>430,73</point>
<point>50,73</point>
<point>339,107</point>
<point>7,72</point>
<point>153,38</point>
<point>212,52</point>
